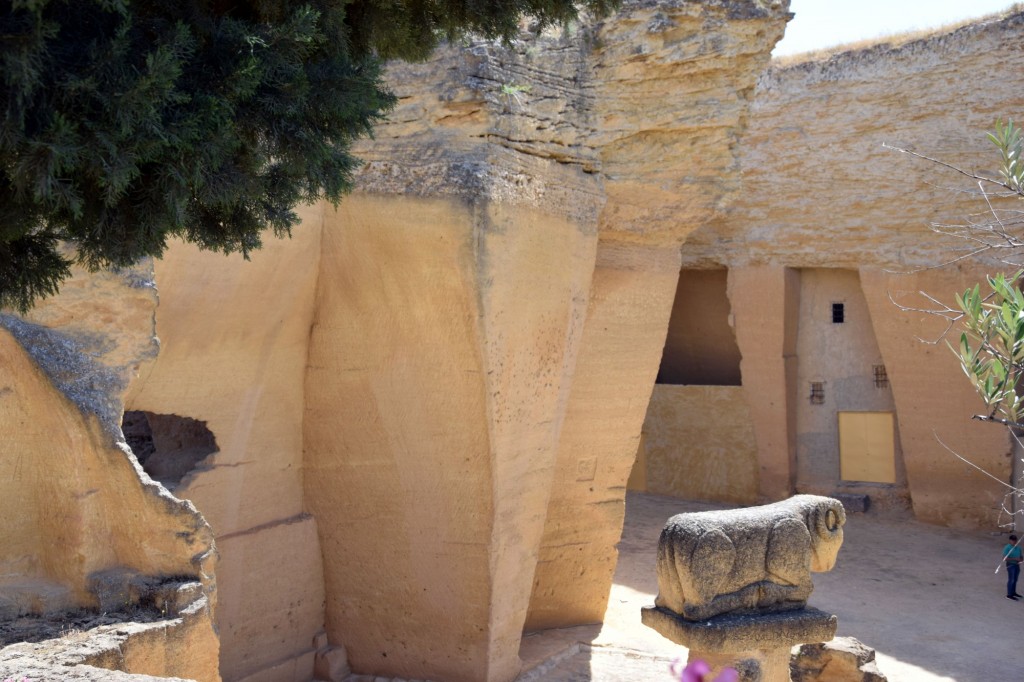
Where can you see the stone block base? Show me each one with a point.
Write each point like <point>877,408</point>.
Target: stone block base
<point>756,645</point>
<point>733,633</point>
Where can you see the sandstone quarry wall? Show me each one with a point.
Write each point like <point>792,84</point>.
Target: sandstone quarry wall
<point>510,266</point>
<point>691,454</point>
<point>845,360</point>
<point>82,493</point>
<point>234,338</point>
<point>673,87</point>
<point>627,314</point>
<point>934,403</point>
<point>820,191</point>
<point>814,169</point>
<point>85,527</point>
<point>426,405</point>
<point>429,425</point>
<point>765,304</point>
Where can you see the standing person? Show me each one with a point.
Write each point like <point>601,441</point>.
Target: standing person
<point>1013,555</point>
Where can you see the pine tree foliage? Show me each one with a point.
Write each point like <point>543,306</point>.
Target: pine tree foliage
<point>128,122</point>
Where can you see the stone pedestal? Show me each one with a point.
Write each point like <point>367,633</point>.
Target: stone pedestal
<point>756,645</point>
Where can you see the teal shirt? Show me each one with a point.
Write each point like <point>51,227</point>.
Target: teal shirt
<point>1013,554</point>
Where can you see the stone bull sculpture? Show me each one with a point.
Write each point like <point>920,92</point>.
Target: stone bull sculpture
<point>750,560</point>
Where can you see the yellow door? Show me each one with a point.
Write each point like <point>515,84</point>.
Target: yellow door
<point>866,450</point>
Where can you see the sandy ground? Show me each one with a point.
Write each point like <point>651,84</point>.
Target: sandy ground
<point>927,599</point>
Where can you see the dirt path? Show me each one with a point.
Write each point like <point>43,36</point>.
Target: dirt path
<point>926,598</point>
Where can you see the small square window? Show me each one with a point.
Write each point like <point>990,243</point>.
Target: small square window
<point>817,396</point>
<point>838,313</point>
<point>881,377</point>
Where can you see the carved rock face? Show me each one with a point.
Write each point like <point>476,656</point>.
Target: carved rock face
<point>757,559</point>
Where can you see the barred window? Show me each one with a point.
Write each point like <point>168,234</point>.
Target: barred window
<point>817,393</point>
<point>881,377</point>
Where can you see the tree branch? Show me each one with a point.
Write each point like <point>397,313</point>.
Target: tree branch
<point>998,420</point>
<point>961,171</point>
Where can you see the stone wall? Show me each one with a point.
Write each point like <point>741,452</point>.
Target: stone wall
<point>820,194</point>
<point>699,444</point>
<point>673,87</point>
<point>474,336</point>
<point>765,303</point>
<point>844,360</point>
<point>490,312</point>
<point>432,409</point>
<point>814,168</point>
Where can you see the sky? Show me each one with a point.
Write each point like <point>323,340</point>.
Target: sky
<point>826,23</point>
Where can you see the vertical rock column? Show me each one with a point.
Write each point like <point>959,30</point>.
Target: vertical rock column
<point>484,344</point>
<point>234,337</point>
<point>627,317</point>
<point>672,84</point>
<point>765,303</point>
<point>443,337</point>
<point>450,305</point>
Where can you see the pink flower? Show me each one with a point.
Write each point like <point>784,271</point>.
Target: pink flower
<point>728,675</point>
<point>698,669</point>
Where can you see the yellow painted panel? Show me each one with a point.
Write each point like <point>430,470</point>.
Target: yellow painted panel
<point>866,447</point>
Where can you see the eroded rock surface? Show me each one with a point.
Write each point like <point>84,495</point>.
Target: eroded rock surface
<point>234,337</point>
<point>844,659</point>
<point>85,527</point>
